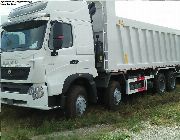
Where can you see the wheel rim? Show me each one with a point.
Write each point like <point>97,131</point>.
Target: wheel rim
<point>117,96</point>
<point>172,81</point>
<point>80,105</point>
<point>162,85</point>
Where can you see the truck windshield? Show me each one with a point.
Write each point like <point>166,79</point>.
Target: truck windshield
<point>23,36</point>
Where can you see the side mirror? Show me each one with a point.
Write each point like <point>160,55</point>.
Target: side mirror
<point>57,42</point>
<point>92,10</point>
<point>57,33</point>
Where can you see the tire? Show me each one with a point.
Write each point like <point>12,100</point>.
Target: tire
<point>76,103</point>
<point>113,95</point>
<point>160,83</point>
<point>170,81</point>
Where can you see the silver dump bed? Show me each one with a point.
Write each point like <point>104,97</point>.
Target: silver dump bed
<point>130,44</point>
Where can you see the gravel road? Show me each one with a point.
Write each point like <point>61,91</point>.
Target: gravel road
<point>154,132</point>
<point>150,132</point>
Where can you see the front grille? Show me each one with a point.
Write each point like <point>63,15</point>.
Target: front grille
<point>14,87</point>
<point>15,73</point>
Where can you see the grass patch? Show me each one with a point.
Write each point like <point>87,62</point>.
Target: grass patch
<point>98,136</point>
<point>22,123</point>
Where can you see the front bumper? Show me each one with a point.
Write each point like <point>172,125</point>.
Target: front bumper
<point>25,100</point>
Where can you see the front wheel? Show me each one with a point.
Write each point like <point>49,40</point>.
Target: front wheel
<point>113,95</point>
<point>76,103</point>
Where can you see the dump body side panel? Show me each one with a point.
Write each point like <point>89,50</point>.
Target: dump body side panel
<point>133,45</point>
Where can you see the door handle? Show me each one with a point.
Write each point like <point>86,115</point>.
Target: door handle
<point>74,61</point>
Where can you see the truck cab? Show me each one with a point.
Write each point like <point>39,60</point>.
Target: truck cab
<point>46,47</point>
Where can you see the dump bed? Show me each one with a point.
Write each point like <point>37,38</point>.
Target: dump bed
<point>134,44</point>
<point>130,44</point>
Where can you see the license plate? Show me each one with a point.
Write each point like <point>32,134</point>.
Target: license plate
<point>10,101</point>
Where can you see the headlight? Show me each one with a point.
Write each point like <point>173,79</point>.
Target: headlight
<point>36,92</point>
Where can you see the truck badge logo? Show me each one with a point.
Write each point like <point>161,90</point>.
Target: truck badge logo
<point>9,71</point>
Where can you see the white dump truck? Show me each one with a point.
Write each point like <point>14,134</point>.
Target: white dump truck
<point>59,54</point>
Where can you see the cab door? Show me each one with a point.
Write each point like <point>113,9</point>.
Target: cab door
<point>61,60</point>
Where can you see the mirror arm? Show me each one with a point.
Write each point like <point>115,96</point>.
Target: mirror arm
<point>54,52</point>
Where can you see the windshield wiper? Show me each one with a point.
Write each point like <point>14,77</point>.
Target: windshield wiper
<point>19,48</point>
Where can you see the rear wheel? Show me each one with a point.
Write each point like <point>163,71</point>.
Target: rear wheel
<point>76,103</point>
<point>160,83</point>
<point>171,81</point>
<point>113,95</point>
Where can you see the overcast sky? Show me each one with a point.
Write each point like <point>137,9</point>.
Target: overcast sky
<point>164,13</point>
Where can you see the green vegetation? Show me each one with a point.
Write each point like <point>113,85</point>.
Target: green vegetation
<point>97,136</point>
<point>22,124</point>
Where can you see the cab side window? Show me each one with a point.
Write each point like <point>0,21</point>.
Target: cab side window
<point>61,36</point>
<point>67,33</point>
